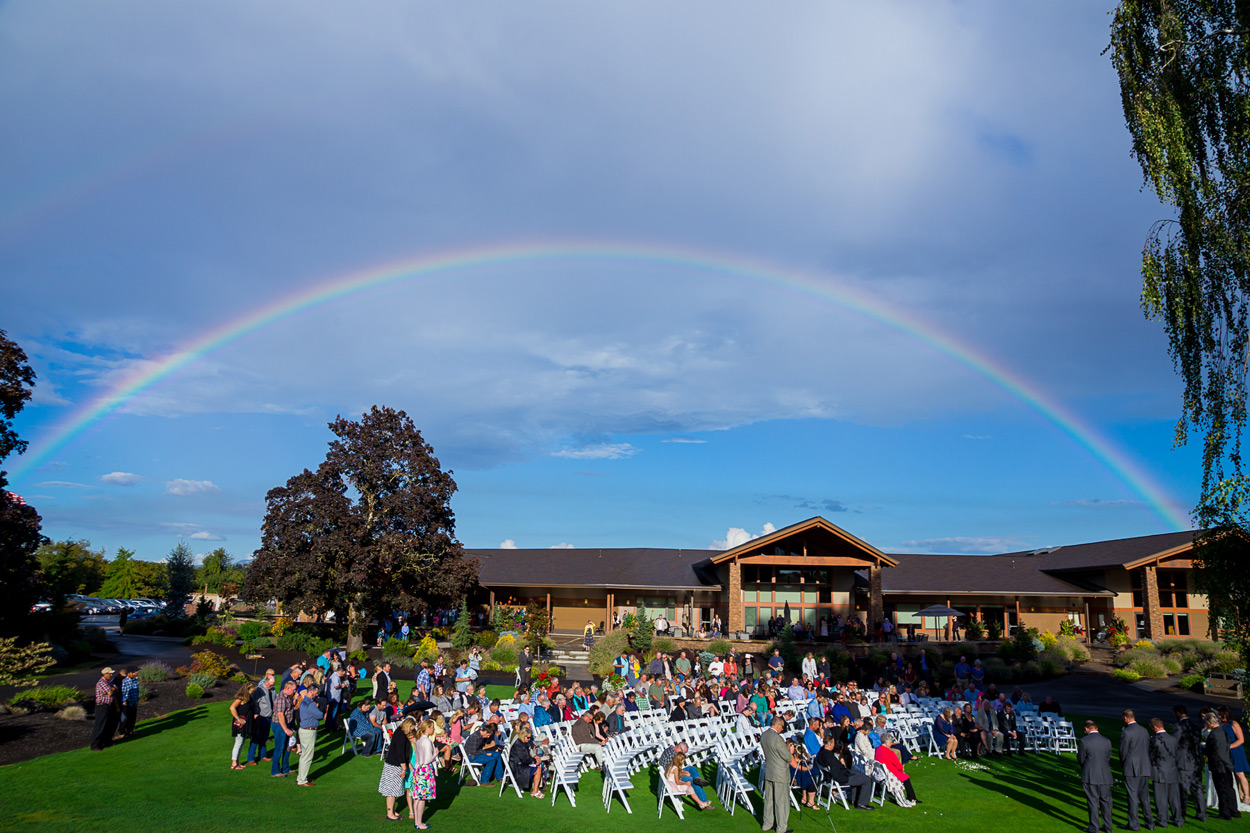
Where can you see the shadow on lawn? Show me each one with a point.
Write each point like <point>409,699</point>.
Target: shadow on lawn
<point>170,721</point>
<point>1037,802</point>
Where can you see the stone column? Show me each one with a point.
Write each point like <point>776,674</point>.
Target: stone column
<point>876,600</point>
<point>737,621</point>
<point>1150,603</point>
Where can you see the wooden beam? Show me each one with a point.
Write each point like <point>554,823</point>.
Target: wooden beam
<point>814,560</point>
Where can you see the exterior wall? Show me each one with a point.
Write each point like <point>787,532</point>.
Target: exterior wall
<point>569,613</point>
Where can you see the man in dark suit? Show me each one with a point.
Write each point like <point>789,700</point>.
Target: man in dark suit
<point>1220,762</point>
<point>1189,761</point>
<point>1012,733</point>
<point>776,778</point>
<point>1135,763</point>
<point>1164,773</point>
<point>524,666</point>
<point>1093,753</point>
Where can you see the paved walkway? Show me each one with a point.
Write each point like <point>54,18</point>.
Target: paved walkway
<point>1099,695</point>
<point>131,650</point>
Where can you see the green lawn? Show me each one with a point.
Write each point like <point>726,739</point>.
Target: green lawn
<point>175,773</point>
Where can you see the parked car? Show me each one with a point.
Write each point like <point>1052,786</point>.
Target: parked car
<point>39,607</point>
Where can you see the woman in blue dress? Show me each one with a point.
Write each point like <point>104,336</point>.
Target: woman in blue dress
<point>1237,749</point>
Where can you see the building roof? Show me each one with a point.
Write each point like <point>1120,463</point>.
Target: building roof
<point>619,567</point>
<point>976,575</point>
<point>817,536</point>
<point>1123,552</point>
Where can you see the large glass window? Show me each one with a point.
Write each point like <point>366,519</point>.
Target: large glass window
<point>783,593</point>
<point>750,618</point>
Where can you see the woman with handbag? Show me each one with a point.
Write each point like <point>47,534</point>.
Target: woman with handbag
<point>240,713</point>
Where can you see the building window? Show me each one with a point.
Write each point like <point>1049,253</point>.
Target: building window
<point>1173,588</point>
<point>1176,624</point>
<point>1139,597</point>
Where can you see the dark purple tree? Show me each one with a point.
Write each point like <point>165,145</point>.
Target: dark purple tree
<point>19,523</point>
<point>370,530</point>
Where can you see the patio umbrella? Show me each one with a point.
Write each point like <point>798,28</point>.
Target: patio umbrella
<point>938,612</point>
<point>787,611</point>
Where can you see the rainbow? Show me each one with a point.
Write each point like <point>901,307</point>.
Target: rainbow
<point>449,263</point>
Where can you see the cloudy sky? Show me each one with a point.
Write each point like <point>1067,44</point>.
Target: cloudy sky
<point>663,275</point>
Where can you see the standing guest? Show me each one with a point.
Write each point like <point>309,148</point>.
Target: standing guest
<point>1165,776</point>
<point>259,719</point>
<point>130,701</point>
<point>1093,753</point>
<point>395,766</point>
<point>283,729</point>
<point>776,778</point>
<point>1237,751</point>
<point>424,683</point>
<point>102,731</point>
<point>1135,764</point>
<point>1220,764</point>
<point>310,715</point>
<point>525,665</point>
<point>240,715</point>
<point>1189,761</point>
<point>382,680</point>
<point>336,689</point>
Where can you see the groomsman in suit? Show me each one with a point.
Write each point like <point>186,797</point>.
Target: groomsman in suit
<point>1189,761</point>
<point>1093,753</point>
<point>1164,773</point>
<point>1135,763</point>
<point>1220,762</point>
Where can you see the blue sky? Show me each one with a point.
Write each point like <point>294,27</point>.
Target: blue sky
<point>167,169</point>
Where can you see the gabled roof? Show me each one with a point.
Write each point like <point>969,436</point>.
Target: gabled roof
<point>620,567</point>
<point>821,537</point>
<point>958,575</point>
<point>1128,553</point>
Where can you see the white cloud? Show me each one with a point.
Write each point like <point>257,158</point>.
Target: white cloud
<point>978,437</point>
<point>507,544</point>
<point>205,535</point>
<point>122,478</point>
<point>737,536</point>
<point>62,484</point>
<point>562,546</point>
<point>190,487</point>
<point>684,440</point>
<point>964,544</point>
<point>598,451</point>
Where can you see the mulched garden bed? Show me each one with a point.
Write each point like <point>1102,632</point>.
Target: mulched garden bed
<point>27,736</point>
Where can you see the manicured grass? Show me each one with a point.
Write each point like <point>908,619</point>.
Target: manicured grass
<point>174,773</point>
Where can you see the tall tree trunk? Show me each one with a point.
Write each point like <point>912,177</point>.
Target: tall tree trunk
<point>355,629</point>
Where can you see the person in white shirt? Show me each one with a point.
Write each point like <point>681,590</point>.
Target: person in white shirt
<point>715,668</point>
<point>809,666</point>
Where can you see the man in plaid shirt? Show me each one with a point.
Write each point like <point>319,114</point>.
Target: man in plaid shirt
<point>102,732</point>
<point>130,701</point>
<point>424,684</point>
<point>283,729</point>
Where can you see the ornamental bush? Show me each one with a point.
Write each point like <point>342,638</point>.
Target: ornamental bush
<point>18,663</point>
<point>1048,640</point>
<point>53,696</point>
<point>505,651</point>
<point>427,649</point>
<point>1194,682</point>
<point>486,638</point>
<point>194,691</point>
<point>251,630</point>
<point>1125,674</point>
<point>154,672</point>
<point>203,680</point>
<point>281,626</point>
<point>605,651</point>
<point>207,662</point>
<point>1151,668</point>
<point>1172,666</point>
<point>663,644</point>
<point>1227,661</point>
<point>72,713</point>
<point>262,642</point>
<point>720,647</point>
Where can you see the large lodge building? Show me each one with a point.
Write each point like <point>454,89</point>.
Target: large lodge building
<point>821,570</point>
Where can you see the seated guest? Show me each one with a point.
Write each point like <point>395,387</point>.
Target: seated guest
<point>688,775</point>
<point>526,769</point>
<point>812,737</point>
<point>1013,736</point>
<point>485,752</point>
<point>945,735</point>
<point>801,773</point>
<point>1048,706</point>
<point>969,734</point>
<point>887,756</point>
<point>631,702</point>
<point>677,784</point>
<point>361,725</point>
<point>616,720</point>
<point>679,711</point>
<point>831,766</point>
<point>585,739</point>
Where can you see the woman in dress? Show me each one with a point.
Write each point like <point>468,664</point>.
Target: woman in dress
<point>395,766</point>
<point>1237,750</point>
<point>240,715</point>
<point>968,731</point>
<point>801,774</point>
<point>888,758</point>
<point>421,778</point>
<point>676,786</point>
<point>945,736</point>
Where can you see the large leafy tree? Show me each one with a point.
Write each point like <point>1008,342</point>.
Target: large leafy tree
<point>219,573</point>
<point>20,537</point>
<point>1184,68</point>
<point>71,567</point>
<point>370,530</point>
<point>122,579</point>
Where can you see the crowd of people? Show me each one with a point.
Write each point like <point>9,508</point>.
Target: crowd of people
<point>812,727</point>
